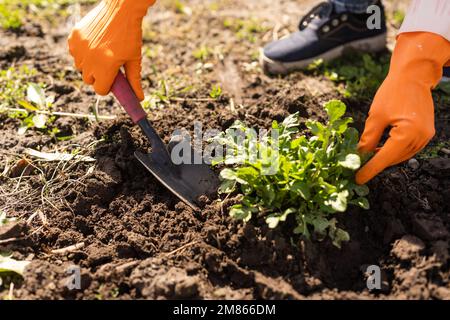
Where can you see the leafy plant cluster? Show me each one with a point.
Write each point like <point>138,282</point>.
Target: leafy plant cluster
<point>16,91</point>
<point>314,176</point>
<point>359,74</point>
<point>27,101</point>
<point>36,100</point>
<point>13,84</point>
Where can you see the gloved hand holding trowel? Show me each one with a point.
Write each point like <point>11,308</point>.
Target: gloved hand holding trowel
<point>107,38</point>
<point>110,36</point>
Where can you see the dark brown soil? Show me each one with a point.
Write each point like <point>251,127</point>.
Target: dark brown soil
<point>136,240</point>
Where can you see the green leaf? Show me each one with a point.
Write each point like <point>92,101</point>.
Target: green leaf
<point>298,142</point>
<point>285,166</point>
<point>361,202</point>
<point>10,265</point>
<point>275,124</point>
<point>361,191</point>
<point>291,121</point>
<point>64,138</point>
<point>320,225</point>
<point>36,95</point>
<point>27,105</point>
<point>268,193</point>
<point>242,213</point>
<point>287,212</point>
<point>22,130</point>
<point>301,188</point>
<point>228,174</point>
<point>335,109</point>
<point>227,186</point>
<point>40,121</point>
<point>247,189</point>
<point>340,236</point>
<point>338,201</point>
<point>216,92</point>
<point>351,161</point>
<point>274,219</point>
<point>341,125</point>
<point>230,160</point>
<point>351,137</point>
<point>247,174</point>
<point>316,128</point>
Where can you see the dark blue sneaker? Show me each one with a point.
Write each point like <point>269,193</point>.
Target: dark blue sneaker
<point>446,76</point>
<point>323,34</point>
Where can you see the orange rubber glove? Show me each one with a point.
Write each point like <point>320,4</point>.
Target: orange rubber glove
<point>404,102</point>
<point>107,38</point>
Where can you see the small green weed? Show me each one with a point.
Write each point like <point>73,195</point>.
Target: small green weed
<point>360,75</point>
<point>216,92</point>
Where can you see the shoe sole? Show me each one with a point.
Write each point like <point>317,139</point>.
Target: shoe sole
<point>373,44</point>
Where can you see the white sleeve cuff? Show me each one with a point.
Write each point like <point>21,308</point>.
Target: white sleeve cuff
<point>428,16</point>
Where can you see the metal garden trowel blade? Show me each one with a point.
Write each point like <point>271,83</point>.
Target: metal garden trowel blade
<point>187,181</point>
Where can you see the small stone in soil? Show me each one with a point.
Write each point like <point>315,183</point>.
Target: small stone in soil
<point>22,167</point>
<point>413,164</point>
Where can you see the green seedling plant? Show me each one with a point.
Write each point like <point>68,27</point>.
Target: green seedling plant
<point>359,76</point>
<point>202,53</point>
<point>36,100</point>
<point>313,180</point>
<point>216,92</point>
<point>28,102</point>
<point>11,267</point>
<point>13,84</point>
<point>16,90</point>
<point>182,8</point>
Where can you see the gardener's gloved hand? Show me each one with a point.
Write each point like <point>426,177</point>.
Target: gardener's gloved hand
<point>404,102</point>
<point>108,37</point>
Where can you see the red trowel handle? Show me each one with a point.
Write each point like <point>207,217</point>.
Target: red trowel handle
<point>124,93</point>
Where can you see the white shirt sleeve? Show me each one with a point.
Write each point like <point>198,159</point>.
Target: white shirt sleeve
<point>429,16</point>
